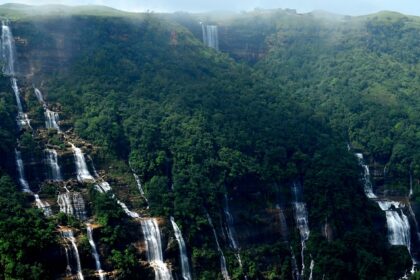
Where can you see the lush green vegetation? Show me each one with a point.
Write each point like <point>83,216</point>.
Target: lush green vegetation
<point>196,124</point>
<point>26,238</point>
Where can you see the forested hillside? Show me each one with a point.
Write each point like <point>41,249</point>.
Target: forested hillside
<point>249,148</point>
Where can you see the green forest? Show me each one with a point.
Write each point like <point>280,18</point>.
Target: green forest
<point>278,105</point>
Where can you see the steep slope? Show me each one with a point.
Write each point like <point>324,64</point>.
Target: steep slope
<point>256,180</point>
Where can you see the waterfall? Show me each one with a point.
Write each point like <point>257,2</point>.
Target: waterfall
<point>52,162</point>
<point>138,182</point>
<point>295,269</point>
<point>103,187</point>
<point>186,274</point>
<point>8,50</point>
<point>95,252</point>
<point>283,223</point>
<point>83,173</point>
<point>22,118</point>
<point>44,206</point>
<point>68,236</point>
<point>397,223</point>
<point>301,217</point>
<point>210,36</point>
<point>223,266</point>
<point>17,95</point>
<point>22,180</point>
<point>72,204</point>
<point>8,55</point>
<point>127,211</point>
<point>366,178</point>
<point>311,268</point>
<point>51,119</point>
<point>39,96</point>
<point>399,232</point>
<point>230,229</point>
<point>153,243</point>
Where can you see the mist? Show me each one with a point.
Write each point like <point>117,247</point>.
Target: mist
<point>355,7</point>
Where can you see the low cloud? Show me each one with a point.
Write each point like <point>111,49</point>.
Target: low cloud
<point>354,7</point>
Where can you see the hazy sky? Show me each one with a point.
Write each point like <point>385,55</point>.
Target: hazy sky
<point>352,7</point>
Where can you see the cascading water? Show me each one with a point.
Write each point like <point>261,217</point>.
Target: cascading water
<point>311,268</point>
<point>44,206</point>
<point>295,270</point>
<point>301,217</point>
<point>283,224</point>
<point>8,50</point>
<point>366,178</point>
<point>153,243</point>
<point>231,230</point>
<point>223,266</point>
<point>22,180</point>
<point>51,120</point>
<point>285,235</point>
<point>39,96</point>
<point>104,187</point>
<point>397,223</point>
<point>399,232</point>
<point>210,36</point>
<point>138,182</point>
<point>83,173</point>
<point>8,54</point>
<point>95,252</point>
<point>51,160</point>
<point>127,211</point>
<point>68,237</point>
<point>72,204</point>
<point>186,274</point>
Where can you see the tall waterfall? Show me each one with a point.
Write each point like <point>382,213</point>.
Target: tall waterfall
<point>186,274</point>
<point>210,36</point>
<point>230,229</point>
<point>51,159</point>
<point>95,252</point>
<point>72,204</point>
<point>71,247</point>
<point>9,59</point>
<point>21,170</point>
<point>44,206</point>
<point>399,232</point>
<point>223,266</point>
<point>83,173</point>
<point>8,50</point>
<point>301,217</point>
<point>153,243</point>
<point>51,119</point>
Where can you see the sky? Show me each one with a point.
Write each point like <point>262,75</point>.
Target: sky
<point>347,7</point>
